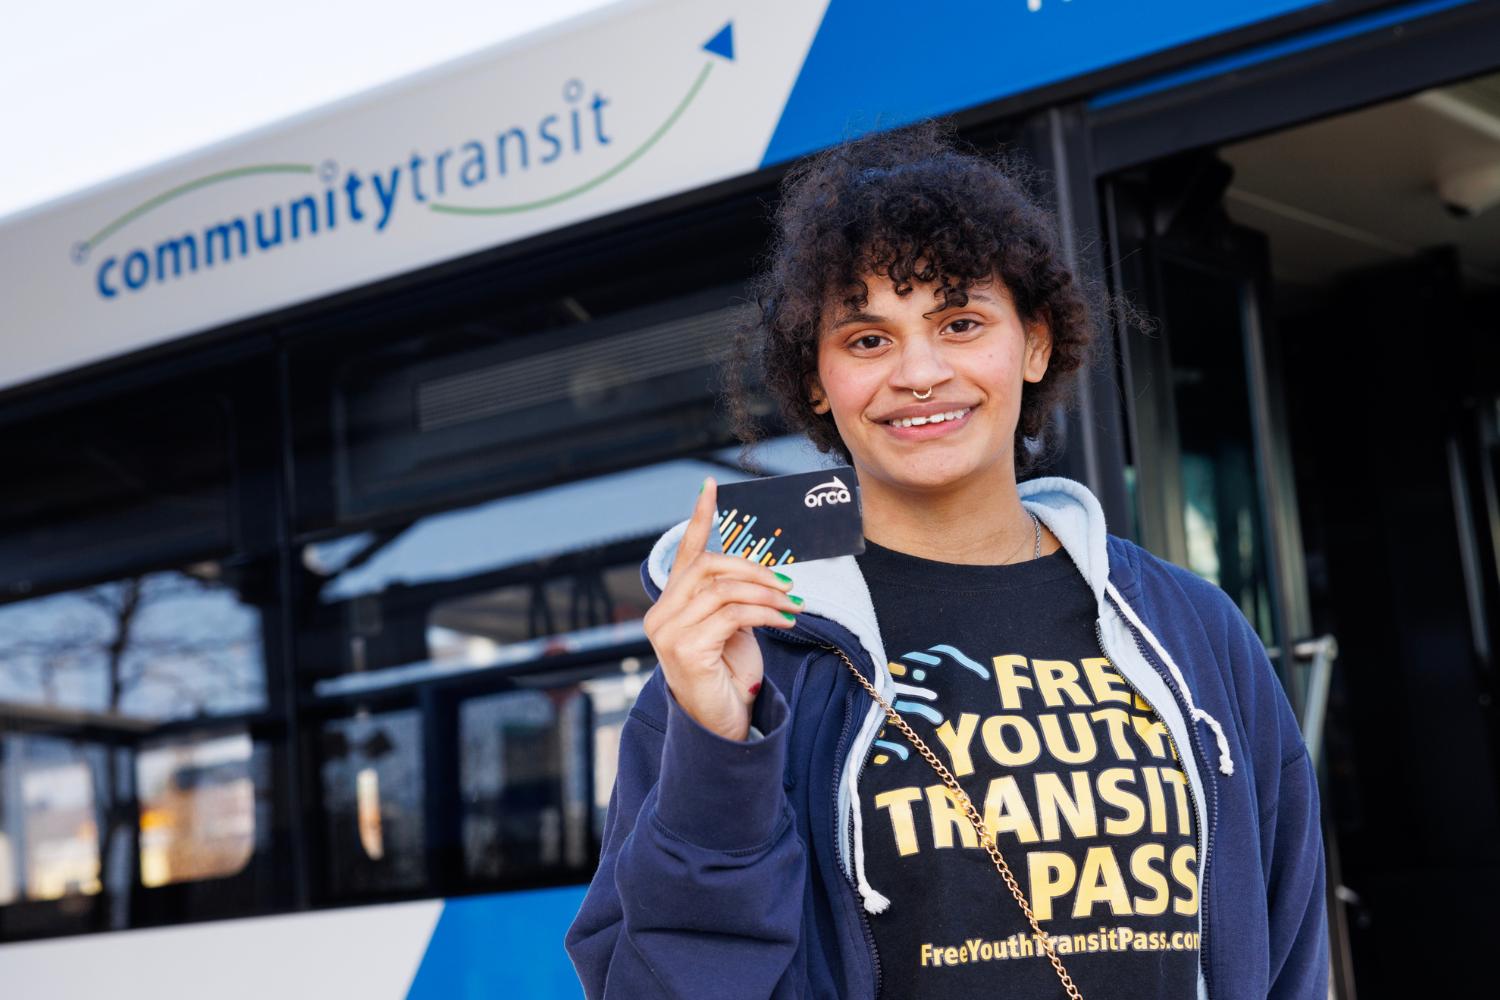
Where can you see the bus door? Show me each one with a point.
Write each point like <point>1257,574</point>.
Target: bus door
<point>1209,469</point>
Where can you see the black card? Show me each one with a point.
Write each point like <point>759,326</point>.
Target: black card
<point>790,519</point>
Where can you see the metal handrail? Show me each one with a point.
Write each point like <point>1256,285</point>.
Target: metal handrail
<point>1319,653</point>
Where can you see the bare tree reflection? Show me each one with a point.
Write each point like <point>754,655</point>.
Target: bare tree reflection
<point>162,645</point>
<point>158,646</point>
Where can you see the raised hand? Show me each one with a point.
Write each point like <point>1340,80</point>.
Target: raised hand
<point>701,625</point>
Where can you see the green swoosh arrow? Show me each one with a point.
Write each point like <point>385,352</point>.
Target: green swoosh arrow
<point>182,189</point>
<point>304,168</point>
<point>594,182</point>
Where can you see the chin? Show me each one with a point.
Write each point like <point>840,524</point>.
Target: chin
<point>923,477</point>
<point>936,472</point>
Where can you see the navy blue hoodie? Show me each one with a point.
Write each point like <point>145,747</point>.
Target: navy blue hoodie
<point>736,869</point>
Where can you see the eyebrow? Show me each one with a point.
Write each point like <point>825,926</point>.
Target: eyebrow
<point>864,317</point>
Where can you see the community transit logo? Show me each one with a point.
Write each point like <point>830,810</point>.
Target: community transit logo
<point>577,126</point>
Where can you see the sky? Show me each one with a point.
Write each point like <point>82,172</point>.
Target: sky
<point>95,89</point>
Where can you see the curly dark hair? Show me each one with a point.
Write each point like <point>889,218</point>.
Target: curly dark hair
<point>912,206</point>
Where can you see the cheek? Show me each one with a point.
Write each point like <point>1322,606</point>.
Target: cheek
<point>848,388</point>
<point>1000,371</point>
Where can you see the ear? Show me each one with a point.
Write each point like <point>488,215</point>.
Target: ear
<point>816,396</point>
<point>1038,349</point>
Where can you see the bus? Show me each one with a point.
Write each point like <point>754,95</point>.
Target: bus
<point>331,453</point>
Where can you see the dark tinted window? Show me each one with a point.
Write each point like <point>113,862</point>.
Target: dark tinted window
<point>139,625</point>
<point>373,800</point>
<point>524,775</point>
<point>88,491</point>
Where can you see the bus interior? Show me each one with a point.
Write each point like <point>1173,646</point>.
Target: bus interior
<point>1316,431</point>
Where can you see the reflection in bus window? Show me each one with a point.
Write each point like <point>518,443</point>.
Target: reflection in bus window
<point>373,794</point>
<point>612,698</point>
<point>62,836</point>
<point>197,802</point>
<point>524,778</point>
<point>161,645</point>
<point>53,837</point>
<point>587,514</point>
<point>1223,524</point>
<point>9,881</point>
<point>367,796</point>
<point>513,531</point>
<point>589,609</point>
<point>508,581</point>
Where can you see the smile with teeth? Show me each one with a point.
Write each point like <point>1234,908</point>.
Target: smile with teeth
<point>935,418</point>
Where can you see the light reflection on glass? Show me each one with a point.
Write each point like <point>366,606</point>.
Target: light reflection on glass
<point>612,698</point>
<point>62,837</point>
<point>388,744</point>
<point>8,874</point>
<point>197,803</point>
<point>367,797</point>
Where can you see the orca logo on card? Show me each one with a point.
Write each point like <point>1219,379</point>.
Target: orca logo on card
<point>831,492</point>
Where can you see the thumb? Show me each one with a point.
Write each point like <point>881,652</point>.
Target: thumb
<point>746,666</point>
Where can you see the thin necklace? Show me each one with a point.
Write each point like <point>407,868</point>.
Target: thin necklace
<point>1036,527</point>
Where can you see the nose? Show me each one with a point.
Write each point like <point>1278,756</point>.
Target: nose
<point>922,366</point>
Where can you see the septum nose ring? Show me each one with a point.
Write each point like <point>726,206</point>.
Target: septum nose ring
<point>923,395</point>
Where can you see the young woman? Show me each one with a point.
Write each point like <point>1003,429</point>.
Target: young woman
<point>1001,753</point>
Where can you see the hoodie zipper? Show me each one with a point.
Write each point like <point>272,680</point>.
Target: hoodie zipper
<point>859,903</point>
<point>1204,835</point>
<point>841,752</point>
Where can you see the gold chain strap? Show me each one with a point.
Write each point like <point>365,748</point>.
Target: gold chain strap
<point>986,839</point>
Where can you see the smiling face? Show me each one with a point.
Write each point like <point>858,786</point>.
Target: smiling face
<point>974,358</point>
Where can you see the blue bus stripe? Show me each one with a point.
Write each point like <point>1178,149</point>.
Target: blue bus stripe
<point>502,945</point>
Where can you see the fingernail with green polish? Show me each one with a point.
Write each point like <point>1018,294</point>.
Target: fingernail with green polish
<point>789,616</point>
<point>784,579</point>
<point>795,600</point>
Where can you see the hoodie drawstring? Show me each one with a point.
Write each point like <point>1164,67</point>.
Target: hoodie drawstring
<point>1226,762</point>
<point>874,901</point>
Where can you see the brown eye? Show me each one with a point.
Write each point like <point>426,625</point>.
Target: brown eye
<point>968,325</point>
<point>868,342</point>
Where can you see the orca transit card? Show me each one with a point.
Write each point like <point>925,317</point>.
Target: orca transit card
<point>783,520</point>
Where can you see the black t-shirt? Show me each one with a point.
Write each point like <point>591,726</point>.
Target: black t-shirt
<point>999,670</point>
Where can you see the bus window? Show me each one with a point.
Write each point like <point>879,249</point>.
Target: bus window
<point>141,739</point>
<point>472,669</point>
<point>50,819</point>
<point>197,809</point>
<point>89,491</point>
<point>373,800</point>
<point>591,608</point>
<point>8,878</point>
<point>611,698</point>
<point>61,834</point>
<point>524,776</point>
<point>506,582</point>
<point>163,645</point>
<point>499,584</point>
